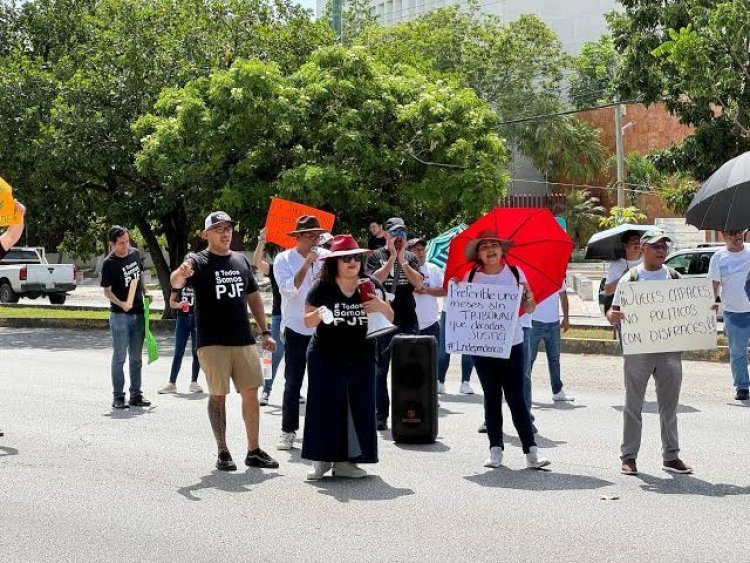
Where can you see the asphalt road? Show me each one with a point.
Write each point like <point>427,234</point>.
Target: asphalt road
<point>81,483</point>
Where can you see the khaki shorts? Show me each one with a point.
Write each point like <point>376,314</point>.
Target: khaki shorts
<point>241,364</point>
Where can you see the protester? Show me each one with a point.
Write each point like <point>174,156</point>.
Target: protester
<point>266,268</point>
<point>545,327</point>
<point>12,235</point>
<point>183,301</point>
<point>398,270</point>
<point>497,375</point>
<point>377,236</point>
<point>121,268</point>
<point>224,287</point>
<point>666,368</point>
<point>631,243</point>
<point>339,421</point>
<point>728,270</point>
<point>296,269</point>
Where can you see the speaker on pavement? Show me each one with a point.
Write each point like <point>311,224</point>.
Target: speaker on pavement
<point>414,404</point>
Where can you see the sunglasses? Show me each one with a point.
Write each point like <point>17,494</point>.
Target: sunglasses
<point>398,233</point>
<point>347,259</point>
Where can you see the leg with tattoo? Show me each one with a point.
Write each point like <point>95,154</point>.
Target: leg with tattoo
<point>217,415</point>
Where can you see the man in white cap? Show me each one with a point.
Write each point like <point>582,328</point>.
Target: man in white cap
<point>224,288</point>
<point>666,368</point>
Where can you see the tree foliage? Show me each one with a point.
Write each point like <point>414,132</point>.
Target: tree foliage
<point>582,215</point>
<point>592,80</point>
<point>621,216</point>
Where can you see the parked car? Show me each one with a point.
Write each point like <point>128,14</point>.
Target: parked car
<point>689,262</point>
<point>25,272</point>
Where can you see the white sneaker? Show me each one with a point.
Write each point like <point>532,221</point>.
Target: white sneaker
<point>533,461</point>
<point>286,441</point>
<point>195,387</point>
<point>496,457</point>
<point>348,469</point>
<point>441,388</point>
<point>466,388</point>
<point>561,396</point>
<point>263,401</point>
<point>169,388</point>
<point>319,469</point>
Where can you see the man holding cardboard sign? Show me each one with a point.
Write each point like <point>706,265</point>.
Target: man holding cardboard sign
<point>666,367</point>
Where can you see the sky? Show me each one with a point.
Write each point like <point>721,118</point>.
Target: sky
<point>309,4</point>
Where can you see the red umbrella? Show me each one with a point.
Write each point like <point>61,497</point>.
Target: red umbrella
<point>539,247</point>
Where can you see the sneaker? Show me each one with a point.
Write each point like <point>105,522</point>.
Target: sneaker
<point>301,400</point>
<point>533,461</point>
<point>119,403</point>
<point>676,466</point>
<point>286,441</point>
<point>319,469</point>
<point>561,396</point>
<point>482,428</point>
<point>263,401</point>
<point>441,388</point>
<point>169,388</point>
<point>225,462</point>
<point>496,457</point>
<point>466,388</point>
<point>259,458</point>
<point>628,467</point>
<point>382,424</point>
<point>742,395</point>
<point>139,401</point>
<point>348,469</point>
<point>195,387</point>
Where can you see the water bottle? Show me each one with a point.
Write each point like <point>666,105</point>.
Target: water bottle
<point>265,364</point>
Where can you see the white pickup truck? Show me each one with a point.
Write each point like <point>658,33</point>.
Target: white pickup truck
<point>24,272</point>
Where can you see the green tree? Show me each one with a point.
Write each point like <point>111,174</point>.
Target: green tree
<point>582,214</point>
<point>592,81</point>
<point>694,56</point>
<point>621,216</point>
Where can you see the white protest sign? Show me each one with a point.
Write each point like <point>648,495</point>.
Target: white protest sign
<point>667,316</point>
<point>480,319</point>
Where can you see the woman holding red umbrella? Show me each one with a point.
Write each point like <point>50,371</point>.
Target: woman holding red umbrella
<point>340,425</point>
<point>498,375</point>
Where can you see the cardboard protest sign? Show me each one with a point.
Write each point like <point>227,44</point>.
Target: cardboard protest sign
<point>8,215</point>
<point>480,319</point>
<point>282,216</point>
<point>667,316</point>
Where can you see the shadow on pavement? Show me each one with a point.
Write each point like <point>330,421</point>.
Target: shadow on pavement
<point>557,405</point>
<point>540,440</point>
<point>436,447</point>
<point>132,412</point>
<point>65,339</point>
<point>442,411</point>
<point>745,404</point>
<point>652,407</point>
<point>532,480</point>
<point>689,485</point>
<point>371,487</point>
<point>5,451</point>
<point>475,398</point>
<point>191,396</point>
<point>227,481</point>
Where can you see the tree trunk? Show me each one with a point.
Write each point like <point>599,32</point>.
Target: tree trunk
<point>162,268</point>
<point>176,232</point>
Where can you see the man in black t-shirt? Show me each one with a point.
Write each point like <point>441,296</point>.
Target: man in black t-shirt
<point>378,236</point>
<point>224,287</point>
<point>398,270</point>
<point>122,280</point>
<point>11,236</point>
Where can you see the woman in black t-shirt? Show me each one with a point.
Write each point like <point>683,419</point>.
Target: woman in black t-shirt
<point>340,416</point>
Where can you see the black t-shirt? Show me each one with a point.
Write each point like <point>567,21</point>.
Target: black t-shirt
<point>346,336</point>
<point>276,303</point>
<point>404,306</point>
<point>186,294</point>
<point>222,284</point>
<point>375,242</point>
<point>117,273</point>
<point>3,251</point>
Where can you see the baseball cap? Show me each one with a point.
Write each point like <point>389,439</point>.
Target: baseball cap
<point>215,218</point>
<point>415,241</point>
<point>394,223</point>
<point>654,235</point>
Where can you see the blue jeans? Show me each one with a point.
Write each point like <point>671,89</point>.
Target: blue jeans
<point>550,333</point>
<point>294,374</point>
<point>184,329</point>
<point>444,358</point>
<point>737,329</point>
<point>278,355</point>
<point>527,369</point>
<point>128,332</point>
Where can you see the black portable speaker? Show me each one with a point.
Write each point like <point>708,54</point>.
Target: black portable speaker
<point>414,404</point>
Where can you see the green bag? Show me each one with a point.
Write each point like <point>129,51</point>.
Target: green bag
<point>151,345</point>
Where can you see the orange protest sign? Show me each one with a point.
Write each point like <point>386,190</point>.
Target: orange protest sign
<point>282,216</point>
<point>8,215</point>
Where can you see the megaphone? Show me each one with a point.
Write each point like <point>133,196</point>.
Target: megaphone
<point>378,325</point>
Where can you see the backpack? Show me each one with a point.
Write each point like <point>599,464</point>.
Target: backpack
<point>634,276</point>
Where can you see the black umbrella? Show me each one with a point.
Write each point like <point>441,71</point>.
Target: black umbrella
<point>607,245</point>
<point>723,202</point>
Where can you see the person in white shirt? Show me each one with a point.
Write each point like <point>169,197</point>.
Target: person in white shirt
<point>545,326</point>
<point>665,367</point>
<point>295,271</point>
<point>428,308</point>
<point>631,243</point>
<point>728,270</point>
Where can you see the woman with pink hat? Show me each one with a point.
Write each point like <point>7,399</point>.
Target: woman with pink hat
<point>340,416</point>
<point>498,375</point>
